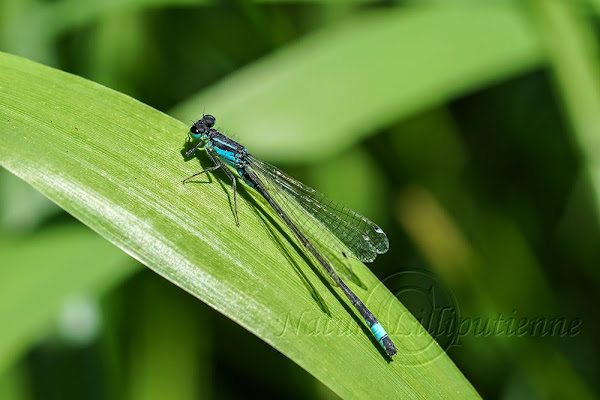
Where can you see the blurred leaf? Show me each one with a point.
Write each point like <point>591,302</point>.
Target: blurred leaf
<point>14,384</point>
<point>331,89</point>
<point>42,270</point>
<point>175,368</point>
<point>30,28</point>
<point>69,14</point>
<point>21,207</point>
<point>115,164</point>
<point>574,53</point>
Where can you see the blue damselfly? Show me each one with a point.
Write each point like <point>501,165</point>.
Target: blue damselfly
<point>306,212</point>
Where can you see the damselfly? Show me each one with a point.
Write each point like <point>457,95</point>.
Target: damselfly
<point>306,212</point>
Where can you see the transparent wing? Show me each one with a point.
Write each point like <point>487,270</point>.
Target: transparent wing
<point>329,247</point>
<point>363,238</point>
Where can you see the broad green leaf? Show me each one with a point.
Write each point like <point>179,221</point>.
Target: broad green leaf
<point>116,165</point>
<point>327,91</point>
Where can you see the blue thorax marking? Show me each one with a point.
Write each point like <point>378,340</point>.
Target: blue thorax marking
<point>226,156</point>
<point>229,151</point>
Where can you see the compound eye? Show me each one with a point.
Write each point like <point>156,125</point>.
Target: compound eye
<point>209,120</point>
<point>194,130</point>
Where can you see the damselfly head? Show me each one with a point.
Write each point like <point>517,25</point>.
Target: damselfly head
<point>209,120</point>
<point>201,127</point>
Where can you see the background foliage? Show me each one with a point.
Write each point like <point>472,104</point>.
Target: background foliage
<point>468,132</point>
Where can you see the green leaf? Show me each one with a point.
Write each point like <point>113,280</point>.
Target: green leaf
<point>116,165</point>
<point>340,84</point>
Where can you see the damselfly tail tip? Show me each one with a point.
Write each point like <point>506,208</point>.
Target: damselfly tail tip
<point>389,346</point>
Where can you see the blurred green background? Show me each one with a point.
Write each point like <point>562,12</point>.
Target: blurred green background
<point>469,132</point>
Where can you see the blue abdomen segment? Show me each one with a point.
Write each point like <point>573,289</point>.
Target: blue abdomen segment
<point>379,333</point>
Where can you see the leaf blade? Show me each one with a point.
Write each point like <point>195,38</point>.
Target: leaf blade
<point>115,164</point>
